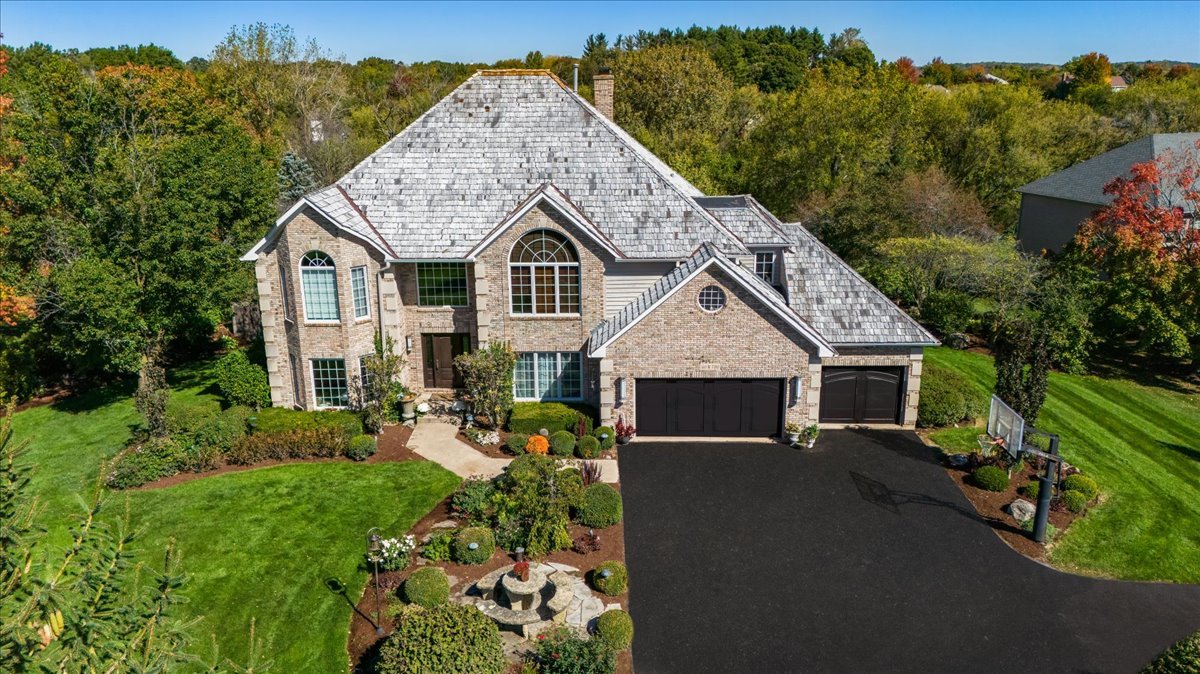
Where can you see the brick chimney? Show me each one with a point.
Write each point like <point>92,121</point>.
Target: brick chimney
<point>602,91</point>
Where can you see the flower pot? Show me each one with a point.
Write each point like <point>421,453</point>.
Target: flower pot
<point>624,439</point>
<point>408,409</point>
<point>793,438</point>
<point>810,443</point>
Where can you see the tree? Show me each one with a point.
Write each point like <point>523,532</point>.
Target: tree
<point>1179,71</point>
<point>152,391</point>
<point>1090,68</point>
<point>488,376</point>
<point>376,392</point>
<point>1022,361</point>
<point>937,72</point>
<point>907,70</point>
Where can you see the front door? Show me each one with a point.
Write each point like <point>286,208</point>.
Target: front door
<point>440,352</point>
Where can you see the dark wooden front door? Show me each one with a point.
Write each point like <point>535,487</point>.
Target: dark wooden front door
<point>709,407</point>
<point>861,395</point>
<point>440,352</point>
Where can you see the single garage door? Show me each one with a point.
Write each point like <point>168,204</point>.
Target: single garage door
<point>861,395</point>
<point>712,407</point>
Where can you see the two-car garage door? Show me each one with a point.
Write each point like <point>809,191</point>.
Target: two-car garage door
<point>709,407</point>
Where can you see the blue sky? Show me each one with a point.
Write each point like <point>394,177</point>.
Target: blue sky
<point>1049,32</point>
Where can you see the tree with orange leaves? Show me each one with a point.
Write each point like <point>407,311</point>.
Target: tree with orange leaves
<point>1145,245</point>
<point>907,70</point>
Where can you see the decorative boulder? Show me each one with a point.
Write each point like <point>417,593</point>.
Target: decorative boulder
<point>1022,510</point>
<point>959,460</point>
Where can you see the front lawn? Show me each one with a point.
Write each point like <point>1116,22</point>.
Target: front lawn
<point>1143,447</point>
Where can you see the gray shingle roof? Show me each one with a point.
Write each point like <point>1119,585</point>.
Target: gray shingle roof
<point>1085,181</point>
<point>840,303</point>
<point>332,202</point>
<point>444,182</point>
<point>747,218</point>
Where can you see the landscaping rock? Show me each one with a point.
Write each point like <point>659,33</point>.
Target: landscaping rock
<point>959,460</point>
<point>1021,510</point>
<point>445,524</point>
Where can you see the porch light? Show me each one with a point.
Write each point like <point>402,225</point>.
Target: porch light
<point>621,389</point>
<point>795,390</point>
<point>408,343</point>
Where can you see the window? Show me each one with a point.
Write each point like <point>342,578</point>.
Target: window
<point>712,299</point>
<point>364,377</point>
<point>285,291</point>
<point>764,266</point>
<point>441,284</point>
<point>329,382</point>
<point>548,376</point>
<point>318,279</point>
<point>544,274</point>
<point>358,289</point>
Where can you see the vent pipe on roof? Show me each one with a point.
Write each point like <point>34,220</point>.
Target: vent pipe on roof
<point>576,78</point>
<point>602,91</point>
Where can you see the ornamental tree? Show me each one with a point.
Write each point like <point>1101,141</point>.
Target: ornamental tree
<point>488,375</point>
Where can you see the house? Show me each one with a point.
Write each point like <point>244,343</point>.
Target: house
<point>1117,83</point>
<point>1053,207</point>
<point>514,210</point>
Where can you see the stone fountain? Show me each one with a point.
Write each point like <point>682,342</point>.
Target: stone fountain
<point>551,594</point>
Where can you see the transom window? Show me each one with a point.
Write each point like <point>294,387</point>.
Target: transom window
<point>358,289</point>
<point>548,376</point>
<point>329,382</point>
<point>764,266</point>
<point>544,274</point>
<point>712,299</point>
<point>441,284</point>
<point>318,279</point>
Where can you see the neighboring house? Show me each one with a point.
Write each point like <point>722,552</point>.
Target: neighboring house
<point>1117,83</point>
<point>513,210</point>
<point>1053,207</point>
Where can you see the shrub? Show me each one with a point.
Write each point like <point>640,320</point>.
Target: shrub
<point>298,444</point>
<point>562,651</point>
<point>395,553</point>
<point>482,538</point>
<point>242,382</point>
<point>589,447</point>
<point>616,629</point>
<point>562,443</point>
<point>991,478</point>
<point>488,376</point>
<point>438,547</point>
<point>531,417</point>
<point>360,447</point>
<point>156,458</point>
<point>446,638</point>
<point>1075,501</point>
<point>948,311</point>
<point>601,506</point>
<point>537,444</point>
<point>182,419</point>
<point>516,443</point>
<point>615,583</point>
<point>1031,490</point>
<point>1051,530</point>
<point>279,419</point>
<point>1182,658</point>
<point>948,398</point>
<point>533,510</point>
<point>427,586</point>
<point>1082,484</point>
<point>609,439</point>
<point>473,499</point>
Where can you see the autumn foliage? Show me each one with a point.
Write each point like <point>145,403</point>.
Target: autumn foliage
<point>14,307</point>
<point>537,444</point>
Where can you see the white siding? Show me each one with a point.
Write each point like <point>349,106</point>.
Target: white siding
<point>624,281</point>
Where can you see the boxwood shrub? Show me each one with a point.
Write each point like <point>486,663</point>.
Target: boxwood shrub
<point>1082,484</point>
<point>562,443</point>
<point>948,398</point>
<point>531,417</point>
<point>615,628</point>
<point>516,443</point>
<point>1075,501</point>
<point>589,447</point>
<point>486,545</point>
<point>609,439</point>
<point>601,506</point>
<point>427,586</point>
<point>361,447</point>
<point>242,382</point>
<point>615,583</point>
<point>446,638</point>
<point>991,478</point>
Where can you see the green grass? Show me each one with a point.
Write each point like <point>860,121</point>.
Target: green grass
<point>255,544</point>
<point>957,440</point>
<point>1142,444</point>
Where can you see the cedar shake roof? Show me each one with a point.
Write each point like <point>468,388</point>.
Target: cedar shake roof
<point>742,213</point>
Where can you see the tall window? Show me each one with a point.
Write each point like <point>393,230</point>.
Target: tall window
<point>285,291</point>
<point>548,376</point>
<point>329,382</point>
<point>358,289</point>
<point>441,284</point>
<point>544,274</point>
<point>318,278</point>
<point>764,266</point>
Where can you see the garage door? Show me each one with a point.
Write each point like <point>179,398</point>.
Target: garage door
<point>861,395</point>
<point>711,407</point>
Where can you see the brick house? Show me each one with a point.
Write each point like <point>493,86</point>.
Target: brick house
<point>514,210</point>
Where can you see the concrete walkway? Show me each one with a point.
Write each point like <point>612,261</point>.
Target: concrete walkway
<point>437,440</point>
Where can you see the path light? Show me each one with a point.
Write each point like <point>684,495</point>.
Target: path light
<point>472,545</point>
<point>520,552</point>
<point>375,554</point>
<point>605,573</point>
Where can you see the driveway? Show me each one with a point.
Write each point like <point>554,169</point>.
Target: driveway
<point>858,556</point>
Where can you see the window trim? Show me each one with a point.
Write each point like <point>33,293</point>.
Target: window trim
<point>772,262</point>
<point>531,266</point>
<point>312,375</point>
<point>336,291</point>
<point>724,299</point>
<point>558,369</point>
<point>361,269</point>
<point>466,291</point>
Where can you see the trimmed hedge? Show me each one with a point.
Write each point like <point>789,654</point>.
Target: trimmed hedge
<point>1082,484</point>
<point>617,581</point>
<point>610,436</point>
<point>516,443</point>
<point>601,506</point>
<point>615,628</point>
<point>482,536</point>
<point>990,478</point>
<point>446,638</point>
<point>361,447</point>
<point>297,444</point>
<point>562,443</point>
<point>947,398</point>
<point>1075,501</point>
<point>280,419</point>
<point>589,447</point>
<point>531,417</point>
<point>427,587</point>
<point>242,382</point>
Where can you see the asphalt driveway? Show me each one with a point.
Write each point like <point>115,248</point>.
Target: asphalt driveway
<point>858,556</point>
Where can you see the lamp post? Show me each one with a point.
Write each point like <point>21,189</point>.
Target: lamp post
<point>375,553</point>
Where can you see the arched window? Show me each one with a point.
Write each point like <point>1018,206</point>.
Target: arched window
<point>544,274</point>
<point>318,280</point>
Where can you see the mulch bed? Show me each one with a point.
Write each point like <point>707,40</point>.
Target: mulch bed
<point>363,642</point>
<point>500,451</point>
<point>392,445</point>
<point>990,506</point>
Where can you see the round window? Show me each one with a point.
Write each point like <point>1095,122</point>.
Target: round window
<point>712,299</point>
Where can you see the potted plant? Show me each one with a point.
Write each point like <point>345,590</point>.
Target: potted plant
<point>810,434</point>
<point>521,570</point>
<point>625,432</point>
<point>792,432</point>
